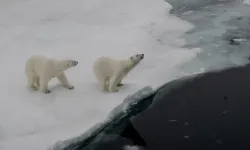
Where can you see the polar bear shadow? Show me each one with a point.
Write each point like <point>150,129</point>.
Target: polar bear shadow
<point>58,87</point>
<point>128,87</point>
<point>123,87</point>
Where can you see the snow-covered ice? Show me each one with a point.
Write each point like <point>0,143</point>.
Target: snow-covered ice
<point>82,30</point>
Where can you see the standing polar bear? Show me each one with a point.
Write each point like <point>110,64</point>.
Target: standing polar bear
<point>110,72</point>
<point>40,70</point>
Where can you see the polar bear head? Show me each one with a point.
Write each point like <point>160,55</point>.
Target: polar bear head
<point>136,58</point>
<point>66,64</point>
<point>133,61</point>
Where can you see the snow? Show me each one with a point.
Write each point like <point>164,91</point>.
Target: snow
<point>82,30</point>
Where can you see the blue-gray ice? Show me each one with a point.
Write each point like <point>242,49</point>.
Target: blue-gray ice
<point>222,30</point>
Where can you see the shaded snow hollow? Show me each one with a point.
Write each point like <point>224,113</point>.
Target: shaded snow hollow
<point>82,30</point>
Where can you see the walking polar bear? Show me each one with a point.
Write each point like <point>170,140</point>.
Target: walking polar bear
<point>110,72</point>
<point>40,70</point>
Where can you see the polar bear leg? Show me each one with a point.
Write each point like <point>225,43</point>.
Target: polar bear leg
<point>119,83</point>
<point>37,81</point>
<point>102,80</point>
<point>44,85</point>
<point>63,79</point>
<point>31,77</point>
<point>102,83</point>
<point>113,83</point>
<point>31,83</point>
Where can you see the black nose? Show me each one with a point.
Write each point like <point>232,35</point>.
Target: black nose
<point>142,55</point>
<point>75,63</point>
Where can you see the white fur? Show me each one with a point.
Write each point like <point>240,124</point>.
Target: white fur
<point>40,70</point>
<point>110,72</point>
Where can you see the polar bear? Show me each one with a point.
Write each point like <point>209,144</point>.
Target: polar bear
<point>110,72</point>
<point>40,70</point>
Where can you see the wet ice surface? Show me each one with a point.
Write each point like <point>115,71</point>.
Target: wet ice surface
<point>222,31</point>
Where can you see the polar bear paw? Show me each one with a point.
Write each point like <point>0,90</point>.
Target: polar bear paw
<point>120,84</point>
<point>47,91</point>
<point>114,89</point>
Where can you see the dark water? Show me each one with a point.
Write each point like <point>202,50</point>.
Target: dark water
<point>222,31</point>
<point>209,112</point>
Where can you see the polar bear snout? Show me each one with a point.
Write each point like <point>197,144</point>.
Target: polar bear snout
<point>141,56</point>
<point>74,63</point>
